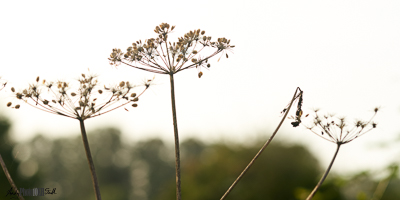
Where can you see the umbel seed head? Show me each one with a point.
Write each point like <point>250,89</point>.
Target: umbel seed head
<point>78,104</point>
<point>146,56</point>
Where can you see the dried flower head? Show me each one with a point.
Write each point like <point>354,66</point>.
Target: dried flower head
<point>338,130</point>
<point>83,102</point>
<point>159,55</point>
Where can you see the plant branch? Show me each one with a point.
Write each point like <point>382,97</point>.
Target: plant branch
<point>3,165</point>
<point>177,152</point>
<point>90,160</point>
<point>262,148</point>
<point>325,174</point>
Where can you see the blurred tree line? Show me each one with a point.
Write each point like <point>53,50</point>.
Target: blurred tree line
<point>145,170</point>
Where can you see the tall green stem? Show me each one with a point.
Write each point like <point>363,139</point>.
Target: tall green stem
<point>325,174</point>
<point>262,148</point>
<point>3,165</point>
<point>177,152</point>
<point>90,160</point>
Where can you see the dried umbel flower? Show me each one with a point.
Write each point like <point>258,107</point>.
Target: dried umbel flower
<point>338,130</point>
<point>159,55</point>
<point>81,103</point>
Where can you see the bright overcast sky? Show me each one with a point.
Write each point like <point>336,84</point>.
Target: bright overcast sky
<point>344,55</point>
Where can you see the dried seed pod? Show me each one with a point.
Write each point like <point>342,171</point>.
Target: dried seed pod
<point>45,102</point>
<point>19,96</point>
<point>17,106</point>
<point>73,94</point>
<point>295,123</point>
<point>37,79</point>
<point>134,105</point>
<point>200,74</point>
<point>135,99</point>
<point>122,84</point>
<point>100,91</point>
<point>12,89</point>
<point>9,104</point>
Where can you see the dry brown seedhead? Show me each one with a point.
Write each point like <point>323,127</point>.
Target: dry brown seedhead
<point>338,130</point>
<point>159,55</point>
<point>82,102</point>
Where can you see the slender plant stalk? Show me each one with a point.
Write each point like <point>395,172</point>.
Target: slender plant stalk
<point>177,152</point>
<point>90,160</point>
<point>3,165</point>
<point>325,174</point>
<point>383,184</point>
<point>262,148</point>
<point>380,190</point>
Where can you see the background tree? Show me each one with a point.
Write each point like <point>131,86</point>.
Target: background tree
<point>145,170</point>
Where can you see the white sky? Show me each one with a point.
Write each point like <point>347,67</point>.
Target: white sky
<point>344,55</point>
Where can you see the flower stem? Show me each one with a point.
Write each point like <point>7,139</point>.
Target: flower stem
<point>177,152</point>
<point>90,160</point>
<point>262,148</point>
<point>3,165</point>
<point>325,174</point>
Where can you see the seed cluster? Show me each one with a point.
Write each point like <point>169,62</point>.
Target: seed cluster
<point>158,55</point>
<point>337,130</point>
<point>86,101</point>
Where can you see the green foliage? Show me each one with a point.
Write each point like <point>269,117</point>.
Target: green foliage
<point>278,174</point>
<point>146,170</point>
